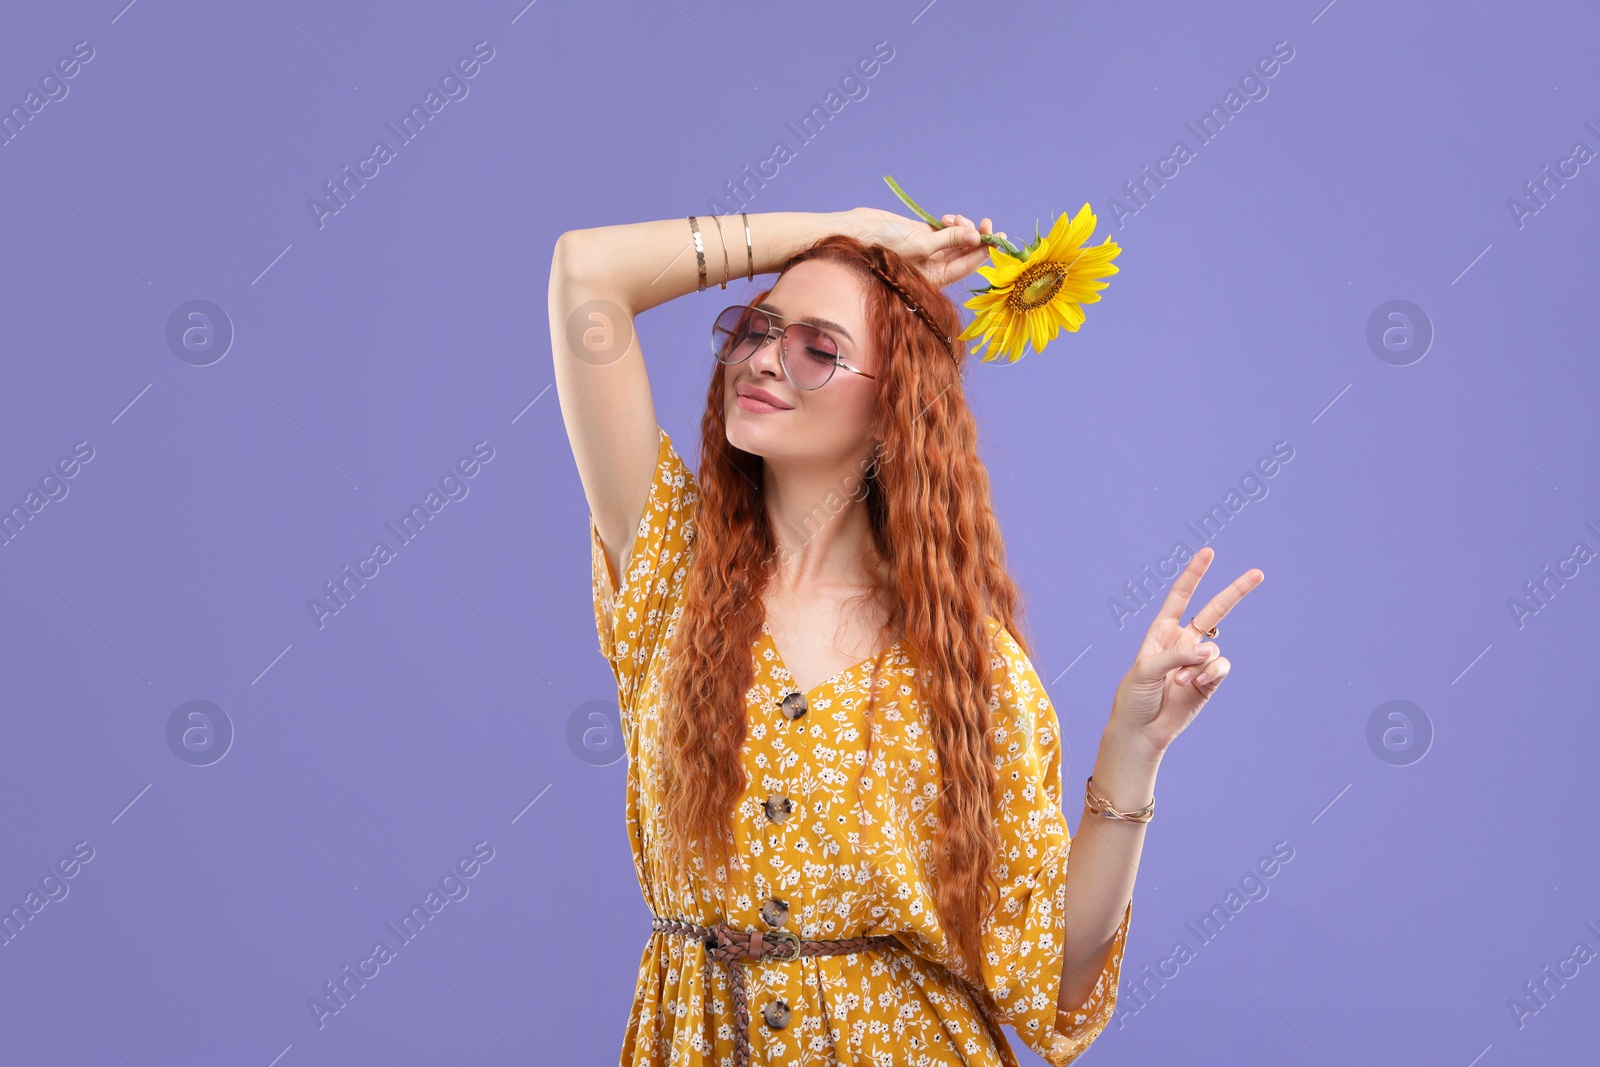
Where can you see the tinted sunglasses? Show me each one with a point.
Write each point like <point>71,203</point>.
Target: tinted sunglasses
<point>809,354</point>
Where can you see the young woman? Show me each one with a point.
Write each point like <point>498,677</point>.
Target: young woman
<point>844,775</point>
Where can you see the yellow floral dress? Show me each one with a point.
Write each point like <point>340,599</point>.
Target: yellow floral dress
<point>843,839</point>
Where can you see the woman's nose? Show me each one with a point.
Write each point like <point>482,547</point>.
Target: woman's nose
<point>766,357</point>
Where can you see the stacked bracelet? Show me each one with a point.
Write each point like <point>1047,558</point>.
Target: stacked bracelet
<point>749,249</point>
<point>723,237</point>
<point>700,250</point>
<point>1098,805</point>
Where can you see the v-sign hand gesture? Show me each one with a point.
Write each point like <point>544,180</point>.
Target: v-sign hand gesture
<point>1176,671</point>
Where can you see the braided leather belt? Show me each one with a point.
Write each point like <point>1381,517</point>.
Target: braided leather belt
<point>728,946</point>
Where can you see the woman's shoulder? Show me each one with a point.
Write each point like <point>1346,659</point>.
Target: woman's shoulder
<point>673,502</point>
<point>669,448</point>
<point>1004,642</point>
<point>632,616</point>
<point>674,490</point>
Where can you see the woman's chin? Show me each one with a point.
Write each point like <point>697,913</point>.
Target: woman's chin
<point>754,439</point>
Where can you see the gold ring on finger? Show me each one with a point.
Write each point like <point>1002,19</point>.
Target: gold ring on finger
<point>1207,633</point>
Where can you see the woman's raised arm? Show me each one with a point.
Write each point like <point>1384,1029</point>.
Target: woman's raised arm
<point>600,279</point>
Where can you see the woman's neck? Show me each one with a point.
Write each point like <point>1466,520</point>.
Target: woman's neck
<point>823,534</point>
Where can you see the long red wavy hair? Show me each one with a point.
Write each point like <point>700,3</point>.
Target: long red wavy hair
<point>934,529</point>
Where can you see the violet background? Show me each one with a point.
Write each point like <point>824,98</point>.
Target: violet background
<point>433,711</point>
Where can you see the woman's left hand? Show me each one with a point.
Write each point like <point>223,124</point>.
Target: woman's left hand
<point>1176,671</point>
<point>944,255</point>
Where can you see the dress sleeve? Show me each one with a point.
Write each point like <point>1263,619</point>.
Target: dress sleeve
<point>633,619</point>
<point>1023,941</point>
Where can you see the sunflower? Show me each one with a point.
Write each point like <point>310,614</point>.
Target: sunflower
<point>1032,296</point>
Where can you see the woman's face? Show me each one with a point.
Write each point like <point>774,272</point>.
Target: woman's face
<point>831,425</point>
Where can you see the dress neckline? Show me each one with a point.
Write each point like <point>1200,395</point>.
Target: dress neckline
<point>772,642</point>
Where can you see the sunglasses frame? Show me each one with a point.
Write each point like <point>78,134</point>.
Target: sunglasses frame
<point>783,344</point>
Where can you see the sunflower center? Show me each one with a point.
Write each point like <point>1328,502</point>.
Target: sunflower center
<point>1035,286</point>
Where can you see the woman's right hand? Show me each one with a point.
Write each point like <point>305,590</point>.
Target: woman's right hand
<point>943,256</point>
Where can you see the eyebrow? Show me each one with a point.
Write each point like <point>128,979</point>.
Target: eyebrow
<point>826,324</point>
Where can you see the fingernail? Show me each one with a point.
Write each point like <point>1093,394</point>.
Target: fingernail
<point>1183,676</point>
<point>1202,679</point>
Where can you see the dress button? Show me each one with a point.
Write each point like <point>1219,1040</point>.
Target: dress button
<point>778,807</point>
<point>775,912</point>
<point>794,705</point>
<point>777,1014</point>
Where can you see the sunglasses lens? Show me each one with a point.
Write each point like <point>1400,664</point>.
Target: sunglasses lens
<point>736,333</point>
<point>811,355</point>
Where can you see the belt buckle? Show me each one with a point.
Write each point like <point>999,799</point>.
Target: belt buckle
<point>784,935</point>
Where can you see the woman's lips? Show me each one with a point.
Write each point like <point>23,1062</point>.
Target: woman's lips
<point>757,407</point>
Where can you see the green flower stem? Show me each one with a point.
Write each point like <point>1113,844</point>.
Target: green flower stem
<point>912,204</point>
<point>988,238</point>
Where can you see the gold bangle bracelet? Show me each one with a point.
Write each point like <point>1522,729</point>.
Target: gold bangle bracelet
<point>1098,805</point>
<point>749,249</point>
<point>724,238</point>
<point>699,251</point>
